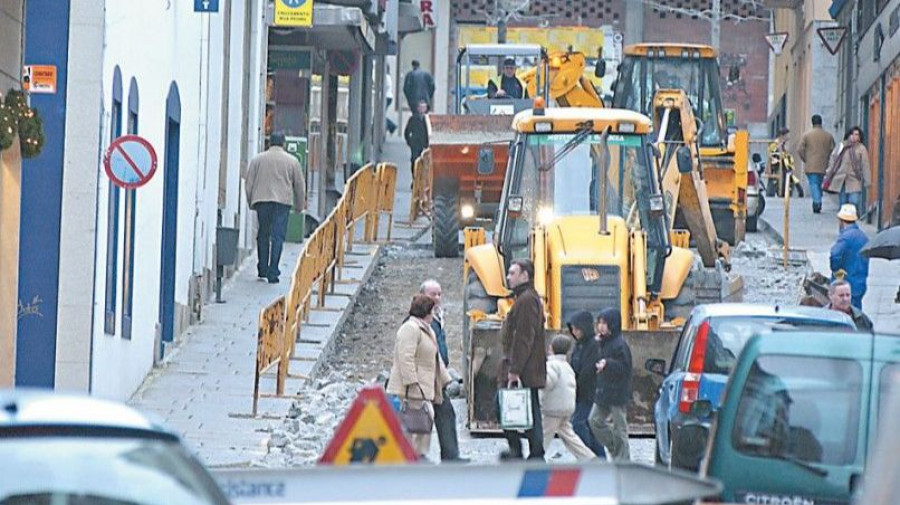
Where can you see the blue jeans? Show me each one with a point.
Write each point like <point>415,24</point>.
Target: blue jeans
<point>583,430</point>
<point>273,220</point>
<point>855,198</point>
<point>815,187</point>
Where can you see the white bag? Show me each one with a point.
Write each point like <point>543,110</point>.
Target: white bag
<point>515,408</point>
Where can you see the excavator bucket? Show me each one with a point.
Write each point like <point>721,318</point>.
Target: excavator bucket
<point>485,354</point>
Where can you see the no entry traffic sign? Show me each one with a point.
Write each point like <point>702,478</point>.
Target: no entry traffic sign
<point>130,161</point>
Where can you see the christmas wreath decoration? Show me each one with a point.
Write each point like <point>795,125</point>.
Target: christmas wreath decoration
<point>17,117</point>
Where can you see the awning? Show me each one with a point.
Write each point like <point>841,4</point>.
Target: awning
<point>409,19</point>
<point>335,28</point>
<point>836,7</point>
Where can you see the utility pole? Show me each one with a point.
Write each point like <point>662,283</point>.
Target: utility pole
<point>715,22</point>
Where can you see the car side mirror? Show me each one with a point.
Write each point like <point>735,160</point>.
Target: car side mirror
<point>702,409</point>
<point>683,156</point>
<point>600,68</point>
<point>655,366</point>
<point>485,160</point>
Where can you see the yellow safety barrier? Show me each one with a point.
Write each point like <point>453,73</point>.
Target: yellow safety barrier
<point>420,201</point>
<point>269,347</point>
<point>367,194</point>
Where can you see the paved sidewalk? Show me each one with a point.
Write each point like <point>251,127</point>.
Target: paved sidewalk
<point>816,233</point>
<point>203,389</point>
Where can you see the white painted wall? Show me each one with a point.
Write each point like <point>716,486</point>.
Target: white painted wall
<point>81,155</point>
<point>157,43</point>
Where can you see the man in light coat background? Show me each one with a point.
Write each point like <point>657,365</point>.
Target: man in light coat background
<point>815,150</point>
<point>274,183</point>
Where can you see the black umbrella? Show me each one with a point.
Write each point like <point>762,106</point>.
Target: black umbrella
<point>885,245</point>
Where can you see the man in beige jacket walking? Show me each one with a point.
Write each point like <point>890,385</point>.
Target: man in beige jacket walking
<point>274,183</point>
<point>815,151</point>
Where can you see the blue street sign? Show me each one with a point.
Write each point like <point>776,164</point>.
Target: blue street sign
<point>206,5</point>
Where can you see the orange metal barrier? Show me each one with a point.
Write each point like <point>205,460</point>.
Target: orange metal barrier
<point>367,194</point>
<point>269,346</point>
<point>420,201</point>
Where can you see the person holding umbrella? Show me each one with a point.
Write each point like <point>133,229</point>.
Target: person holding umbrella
<point>885,245</point>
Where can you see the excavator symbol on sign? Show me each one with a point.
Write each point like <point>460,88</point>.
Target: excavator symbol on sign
<point>365,450</point>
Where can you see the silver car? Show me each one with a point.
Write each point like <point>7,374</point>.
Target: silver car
<point>67,450</point>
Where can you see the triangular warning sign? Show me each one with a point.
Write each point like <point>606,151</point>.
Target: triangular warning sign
<point>832,37</point>
<point>370,434</point>
<point>776,41</point>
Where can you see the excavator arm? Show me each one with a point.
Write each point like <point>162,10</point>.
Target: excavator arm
<point>569,87</point>
<point>683,184</point>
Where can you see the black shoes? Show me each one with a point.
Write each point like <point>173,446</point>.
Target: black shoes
<point>273,280</point>
<point>509,456</point>
<point>817,208</point>
<point>456,460</point>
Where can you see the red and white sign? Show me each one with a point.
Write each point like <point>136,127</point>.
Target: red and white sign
<point>429,14</point>
<point>130,161</point>
<point>832,37</point>
<point>777,41</point>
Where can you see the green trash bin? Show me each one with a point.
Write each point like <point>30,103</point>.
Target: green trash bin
<point>297,146</point>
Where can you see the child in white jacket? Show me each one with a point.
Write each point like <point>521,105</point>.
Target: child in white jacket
<point>558,400</point>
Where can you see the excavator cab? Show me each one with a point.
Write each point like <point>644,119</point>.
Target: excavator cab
<point>479,64</point>
<point>650,68</point>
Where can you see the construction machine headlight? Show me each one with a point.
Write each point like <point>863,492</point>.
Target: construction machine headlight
<point>545,215</point>
<point>543,127</point>
<point>467,211</point>
<point>515,204</point>
<point>657,205</point>
<point>626,127</point>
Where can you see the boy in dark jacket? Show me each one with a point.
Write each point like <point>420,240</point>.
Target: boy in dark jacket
<point>613,387</point>
<point>584,359</point>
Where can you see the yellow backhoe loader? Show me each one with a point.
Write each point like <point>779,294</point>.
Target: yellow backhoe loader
<point>583,199</point>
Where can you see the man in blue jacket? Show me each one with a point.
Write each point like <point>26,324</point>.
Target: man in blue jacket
<point>845,254</point>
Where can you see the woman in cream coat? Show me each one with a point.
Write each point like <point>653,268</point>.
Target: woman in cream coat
<point>417,373</point>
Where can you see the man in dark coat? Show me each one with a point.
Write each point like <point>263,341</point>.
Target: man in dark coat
<point>444,415</point>
<point>524,355</point>
<point>613,394</point>
<point>840,296</point>
<point>510,85</point>
<point>416,133</point>
<point>584,359</point>
<point>417,86</point>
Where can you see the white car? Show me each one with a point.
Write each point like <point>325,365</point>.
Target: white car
<point>65,449</point>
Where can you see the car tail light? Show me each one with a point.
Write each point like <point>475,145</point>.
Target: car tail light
<point>690,386</point>
<point>751,179</point>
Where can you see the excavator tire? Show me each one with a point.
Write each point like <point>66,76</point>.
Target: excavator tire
<point>445,221</point>
<point>475,297</point>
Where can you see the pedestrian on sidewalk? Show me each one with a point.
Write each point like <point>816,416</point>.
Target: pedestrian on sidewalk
<point>608,417</point>
<point>815,150</point>
<point>444,415</point>
<point>584,359</point>
<point>845,254</point>
<point>274,182</point>
<point>389,99</point>
<point>416,133</point>
<point>848,172</point>
<point>524,355</point>
<point>558,400</point>
<point>417,373</point>
<point>840,294</point>
<point>418,85</point>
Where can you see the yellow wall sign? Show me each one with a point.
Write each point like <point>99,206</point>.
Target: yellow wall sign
<point>293,13</point>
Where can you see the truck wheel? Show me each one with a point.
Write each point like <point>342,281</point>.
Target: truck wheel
<point>474,298</point>
<point>445,221</point>
<point>751,222</point>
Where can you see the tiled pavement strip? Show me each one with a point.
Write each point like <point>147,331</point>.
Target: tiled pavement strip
<point>203,388</point>
<point>816,233</point>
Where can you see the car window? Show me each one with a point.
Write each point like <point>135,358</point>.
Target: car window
<point>800,407</point>
<point>69,471</point>
<point>728,335</point>
<point>889,386</point>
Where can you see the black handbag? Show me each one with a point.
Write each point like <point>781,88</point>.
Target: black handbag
<point>416,420</point>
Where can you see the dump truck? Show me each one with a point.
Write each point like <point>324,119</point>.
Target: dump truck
<point>724,156</point>
<point>584,200</point>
